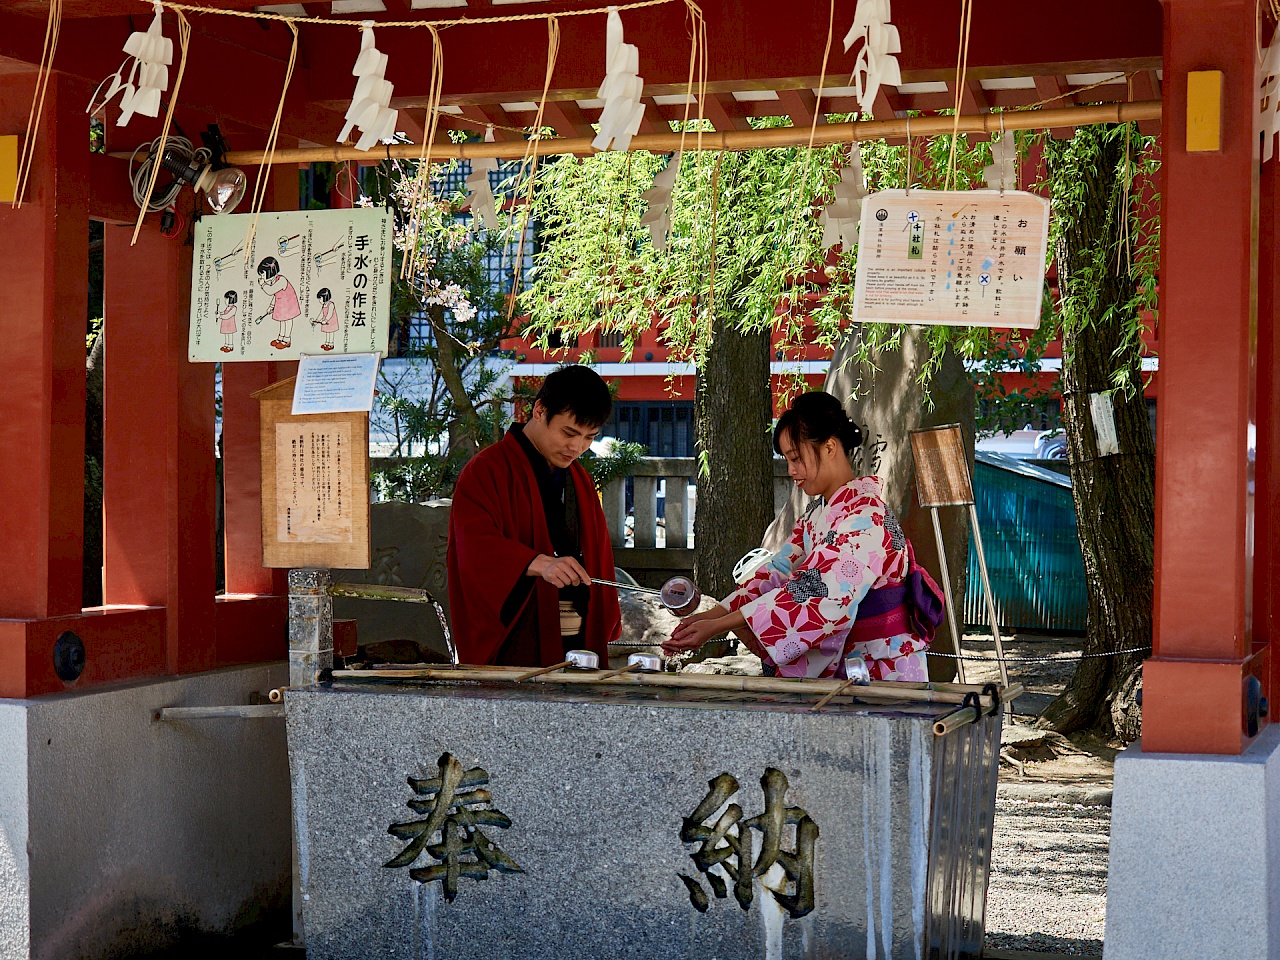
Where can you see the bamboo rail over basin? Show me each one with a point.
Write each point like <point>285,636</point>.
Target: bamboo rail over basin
<point>728,140</point>
<point>879,691</point>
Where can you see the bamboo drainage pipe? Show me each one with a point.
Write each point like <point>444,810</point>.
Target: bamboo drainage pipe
<point>731,140</point>
<point>882,691</point>
<point>958,718</point>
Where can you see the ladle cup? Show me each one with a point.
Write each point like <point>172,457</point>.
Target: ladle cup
<point>679,595</point>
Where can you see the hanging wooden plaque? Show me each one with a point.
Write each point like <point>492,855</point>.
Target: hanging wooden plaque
<point>942,469</point>
<point>315,485</point>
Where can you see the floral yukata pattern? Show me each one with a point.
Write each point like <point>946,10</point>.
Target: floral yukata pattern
<point>802,603</point>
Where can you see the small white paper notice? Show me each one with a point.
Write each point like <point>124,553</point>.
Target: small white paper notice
<point>335,383</point>
<point>1104,423</point>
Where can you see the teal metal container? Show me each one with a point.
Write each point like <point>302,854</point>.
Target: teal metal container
<point>1028,524</point>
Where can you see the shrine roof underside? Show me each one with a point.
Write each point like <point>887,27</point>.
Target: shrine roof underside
<point>764,58</point>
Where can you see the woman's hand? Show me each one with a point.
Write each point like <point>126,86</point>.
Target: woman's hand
<point>692,632</point>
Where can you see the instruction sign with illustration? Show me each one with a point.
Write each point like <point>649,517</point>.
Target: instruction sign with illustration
<point>960,258</point>
<point>313,282</point>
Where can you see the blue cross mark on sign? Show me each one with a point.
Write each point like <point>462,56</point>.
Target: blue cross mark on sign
<point>912,217</point>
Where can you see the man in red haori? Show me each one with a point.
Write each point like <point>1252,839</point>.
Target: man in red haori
<point>526,535</point>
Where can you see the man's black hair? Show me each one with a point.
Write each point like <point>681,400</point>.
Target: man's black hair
<point>578,390</point>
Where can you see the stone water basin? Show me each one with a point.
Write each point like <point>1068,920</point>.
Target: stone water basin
<point>557,821</point>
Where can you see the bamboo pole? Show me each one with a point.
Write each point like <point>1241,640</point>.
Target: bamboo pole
<point>243,711</point>
<point>731,140</point>
<point>883,691</point>
<point>378,591</point>
<point>958,718</point>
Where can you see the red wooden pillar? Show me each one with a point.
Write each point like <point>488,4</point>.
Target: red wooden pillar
<point>158,458</point>
<point>1193,685</point>
<point>1266,529</point>
<point>43,254</point>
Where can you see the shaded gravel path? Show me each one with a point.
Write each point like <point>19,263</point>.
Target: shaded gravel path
<point>1048,890</point>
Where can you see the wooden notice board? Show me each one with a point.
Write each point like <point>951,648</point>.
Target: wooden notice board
<point>942,470</point>
<point>315,485</point>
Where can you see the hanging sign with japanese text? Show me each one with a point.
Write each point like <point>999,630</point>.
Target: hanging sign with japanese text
<point>971,258</point>
<point>313,482</point>
<point>314,281</point>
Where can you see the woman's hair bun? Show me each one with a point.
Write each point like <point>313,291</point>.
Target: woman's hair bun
<point>850,435</point>
<point>816,417</point>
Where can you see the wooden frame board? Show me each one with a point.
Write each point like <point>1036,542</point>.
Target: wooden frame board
<point>321,461</point>
<point>942,469</point>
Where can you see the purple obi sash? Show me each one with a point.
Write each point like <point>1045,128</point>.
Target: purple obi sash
<point>914,606</point>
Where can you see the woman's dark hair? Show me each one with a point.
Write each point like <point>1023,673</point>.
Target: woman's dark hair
<point>580,391</point>
<point>815,418</point>
<point>269,268</point>
<point>232,296</point>
<point>324,294</point>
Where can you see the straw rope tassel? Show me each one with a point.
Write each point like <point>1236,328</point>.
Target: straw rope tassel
<point>53,27</point>
<point>422,183</point>
<point>531,161</point>
<point>822,77</point>
<point>260,185</point>
<point>697,67</point>
<point>184,40</point>
<point>962,69</point>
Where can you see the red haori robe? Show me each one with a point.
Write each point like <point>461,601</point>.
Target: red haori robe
<point>496,527</point>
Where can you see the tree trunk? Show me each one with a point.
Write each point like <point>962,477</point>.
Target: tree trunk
<point>734,411</point>
<point>1114,490</point>
<point>466,430</point>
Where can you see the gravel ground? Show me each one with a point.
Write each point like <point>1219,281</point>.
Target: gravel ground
<point>1048,890</point>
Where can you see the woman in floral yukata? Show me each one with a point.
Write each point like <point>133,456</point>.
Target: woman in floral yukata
<point>845,582</point>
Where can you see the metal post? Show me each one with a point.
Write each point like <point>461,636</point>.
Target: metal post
<point>310,651</point>
<point>986,589</point>
<point>946,589</point>
<point>310,625</point>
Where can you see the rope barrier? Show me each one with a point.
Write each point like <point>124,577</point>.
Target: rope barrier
<point>1068,658</point>
<point>458,21</point>
<point>1063,659</point>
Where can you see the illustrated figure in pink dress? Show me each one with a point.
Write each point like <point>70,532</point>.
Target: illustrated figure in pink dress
<point>328,321</point>
<point>284,300</point>
<point>227,321</point>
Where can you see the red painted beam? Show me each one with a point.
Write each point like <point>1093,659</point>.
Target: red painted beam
<point>724,112</point>
<point>110,195</point>
<point>91,50</point>
<point>1192,693</point>
<point>1146,86</point>
<point>120,644</point>
<point>747,41</point>
<point>44,247</point>
<point>799,105</point>
<point>566,118</point>
<point>490,113</point>
<point>1056,91</point>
